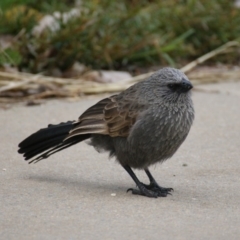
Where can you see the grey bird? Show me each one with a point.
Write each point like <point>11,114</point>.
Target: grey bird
<point>141,126</point>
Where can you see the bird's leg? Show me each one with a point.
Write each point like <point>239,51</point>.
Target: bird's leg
<point>142,190</point>
<point>153,186</point>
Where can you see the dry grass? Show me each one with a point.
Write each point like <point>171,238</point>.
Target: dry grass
<point>15,87</point>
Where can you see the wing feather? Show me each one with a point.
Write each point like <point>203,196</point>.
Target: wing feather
<point>113,116</point>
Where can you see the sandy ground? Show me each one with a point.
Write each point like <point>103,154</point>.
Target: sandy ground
<point>80,194</point>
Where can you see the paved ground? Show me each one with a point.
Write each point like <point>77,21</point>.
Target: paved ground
<point>69,196</point>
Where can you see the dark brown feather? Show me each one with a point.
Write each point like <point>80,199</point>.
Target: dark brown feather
<point>113,116</point>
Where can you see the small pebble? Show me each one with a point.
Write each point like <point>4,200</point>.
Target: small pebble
<point>184,165</point>
<point>113,194</point>
<point>4,169</point>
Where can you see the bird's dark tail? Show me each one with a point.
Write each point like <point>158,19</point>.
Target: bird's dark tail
<point>48,141</point>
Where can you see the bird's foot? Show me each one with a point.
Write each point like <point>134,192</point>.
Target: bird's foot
<point>143,192</point>
<point>152,190</point>
<point>161,191</point>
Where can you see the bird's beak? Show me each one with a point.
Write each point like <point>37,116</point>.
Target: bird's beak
<point>186,85</point>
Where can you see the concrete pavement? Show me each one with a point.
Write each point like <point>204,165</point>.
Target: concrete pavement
<point>80,194</point>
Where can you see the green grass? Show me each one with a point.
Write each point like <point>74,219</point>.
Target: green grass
<point>115,34</point>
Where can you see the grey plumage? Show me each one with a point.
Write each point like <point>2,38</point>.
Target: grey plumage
<point>141,126</point>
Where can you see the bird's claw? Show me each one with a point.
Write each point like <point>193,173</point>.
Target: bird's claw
<point>160,190</point>
<point>145,192</point>
<point>130,189</point>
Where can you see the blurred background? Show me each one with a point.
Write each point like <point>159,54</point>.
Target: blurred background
<point>109,41</point>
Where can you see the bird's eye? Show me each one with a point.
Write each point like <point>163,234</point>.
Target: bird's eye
<point>173,86</point>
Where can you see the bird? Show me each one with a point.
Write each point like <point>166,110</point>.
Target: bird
<point>141,126</point>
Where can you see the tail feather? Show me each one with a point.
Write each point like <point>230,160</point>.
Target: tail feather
<point>60,147</point>
<point>41,147</point>
<point>47,133</point>
<point>48,141</point>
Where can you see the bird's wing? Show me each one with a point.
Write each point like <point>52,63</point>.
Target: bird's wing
<point>113,116</point>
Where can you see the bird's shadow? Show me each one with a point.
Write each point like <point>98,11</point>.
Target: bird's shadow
<point>79,183</point>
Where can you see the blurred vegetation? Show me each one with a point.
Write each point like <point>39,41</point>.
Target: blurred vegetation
<point>117,34</point>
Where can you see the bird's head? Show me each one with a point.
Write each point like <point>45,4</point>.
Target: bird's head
<point>171,84</point>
